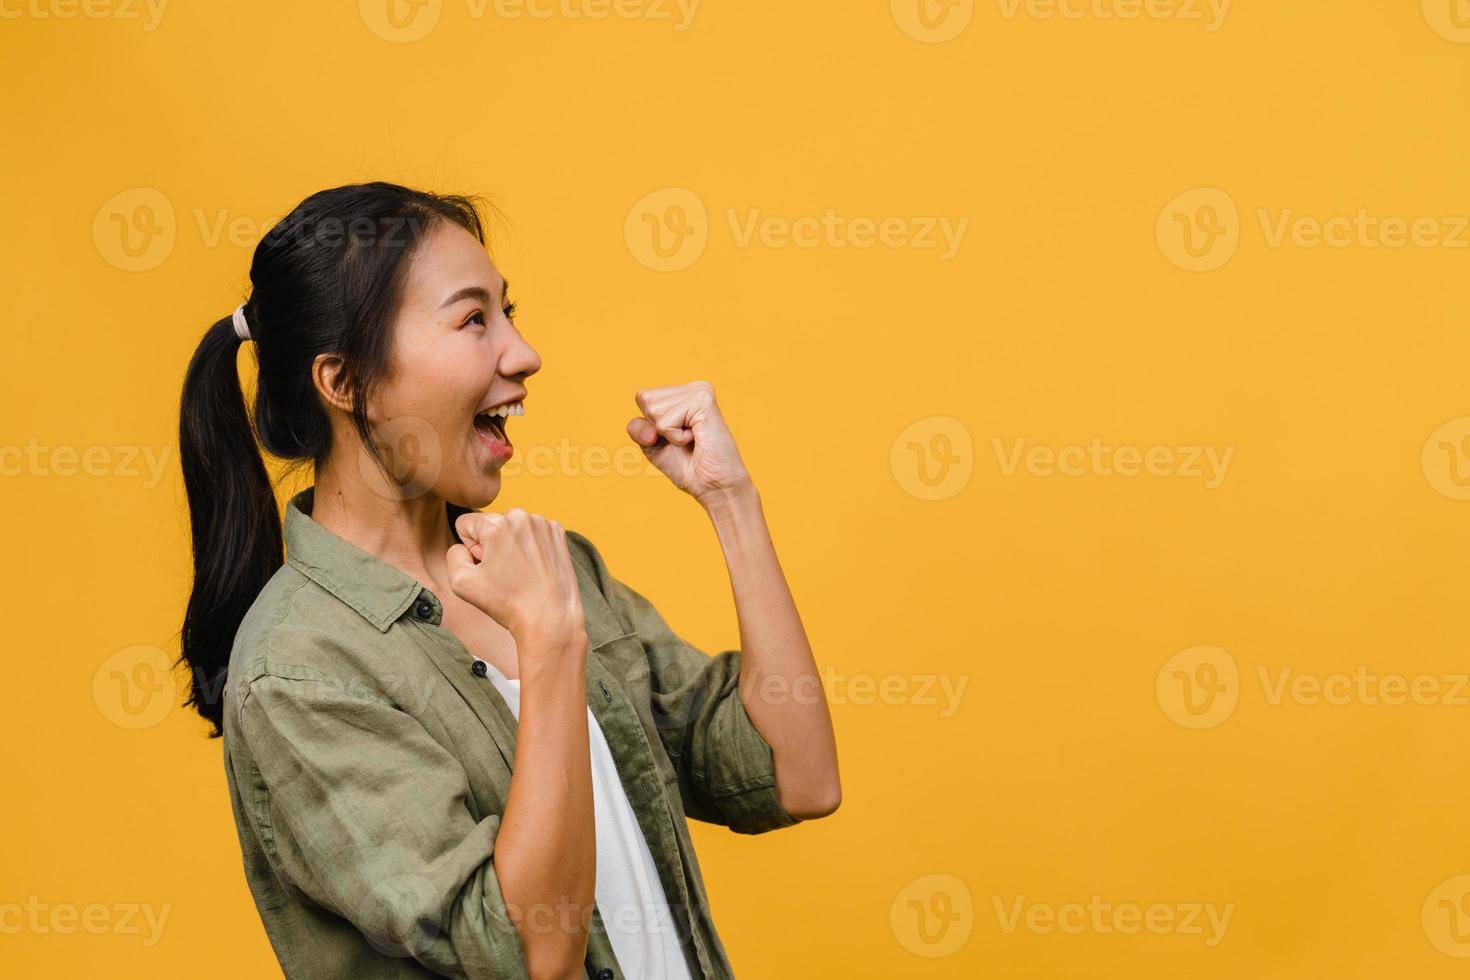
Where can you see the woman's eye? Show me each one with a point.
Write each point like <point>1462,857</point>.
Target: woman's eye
<point>479,315</point>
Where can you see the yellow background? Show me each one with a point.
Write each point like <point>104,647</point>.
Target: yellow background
<point>1334,833</point>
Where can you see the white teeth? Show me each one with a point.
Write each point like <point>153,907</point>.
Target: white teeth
<point>505,411</point>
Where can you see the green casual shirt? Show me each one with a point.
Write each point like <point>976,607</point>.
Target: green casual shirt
<point>369,759</point>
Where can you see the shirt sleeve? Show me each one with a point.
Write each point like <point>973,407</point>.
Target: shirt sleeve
<point>725,766</point>
<point>367,815</point>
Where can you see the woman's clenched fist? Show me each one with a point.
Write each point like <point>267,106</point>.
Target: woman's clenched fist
<point>515,568</point>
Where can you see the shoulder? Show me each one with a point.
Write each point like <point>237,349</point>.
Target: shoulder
<point>591,569</point>
<point>298,631</point>
<point>586,558</point>
<point>605,599</point>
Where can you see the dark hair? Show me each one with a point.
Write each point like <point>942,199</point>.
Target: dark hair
<point>327,279</point>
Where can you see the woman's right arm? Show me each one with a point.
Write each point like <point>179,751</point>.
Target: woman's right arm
<point>515,567</point>
<point>546,856</point>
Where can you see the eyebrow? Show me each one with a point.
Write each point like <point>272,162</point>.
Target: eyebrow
<point>478,293</point>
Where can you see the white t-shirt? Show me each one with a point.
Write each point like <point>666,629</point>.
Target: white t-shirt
<point>636,914</point>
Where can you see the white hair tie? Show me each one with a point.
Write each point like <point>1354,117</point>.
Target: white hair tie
<point>242,329</point>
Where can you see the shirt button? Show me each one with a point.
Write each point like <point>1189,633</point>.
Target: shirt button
<point>424,609</point>
<point>605,973</point>
<point>479,669</point>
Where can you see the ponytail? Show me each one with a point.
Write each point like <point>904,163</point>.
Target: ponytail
<point>233,517</point>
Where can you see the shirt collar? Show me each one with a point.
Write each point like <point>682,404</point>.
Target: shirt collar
<point>378,591</point>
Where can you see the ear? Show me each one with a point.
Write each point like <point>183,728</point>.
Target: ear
<point>326,377</point>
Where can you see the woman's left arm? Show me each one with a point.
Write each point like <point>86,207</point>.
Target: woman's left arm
<point>683,433</point>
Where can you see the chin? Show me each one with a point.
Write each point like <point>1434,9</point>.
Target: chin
<point>477,493</point>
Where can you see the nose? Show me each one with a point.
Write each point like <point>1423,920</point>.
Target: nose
<point>520,358</point>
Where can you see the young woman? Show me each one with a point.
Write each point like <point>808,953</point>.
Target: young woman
<point>456,744</point>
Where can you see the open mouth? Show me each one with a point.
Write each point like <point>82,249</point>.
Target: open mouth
<point>491,427</point>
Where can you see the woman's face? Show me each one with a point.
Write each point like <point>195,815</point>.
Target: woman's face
<point>456,355</point>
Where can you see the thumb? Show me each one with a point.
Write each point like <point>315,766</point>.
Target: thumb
<point>459,559</point>
<point>466,527</point>
<point>642,432</point>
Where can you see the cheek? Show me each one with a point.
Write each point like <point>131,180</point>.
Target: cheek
<point>440,389</point>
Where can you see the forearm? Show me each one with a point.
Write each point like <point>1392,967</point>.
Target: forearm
<point>545,853</point>
<point>779,683</point>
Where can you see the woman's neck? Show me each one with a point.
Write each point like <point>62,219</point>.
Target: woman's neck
<point>411,534</point>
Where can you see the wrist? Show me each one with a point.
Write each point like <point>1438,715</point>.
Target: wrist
<point>549,661</point>
<point>551,639</point>
<point>738,496</point>
<point>738,519</point>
